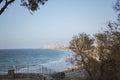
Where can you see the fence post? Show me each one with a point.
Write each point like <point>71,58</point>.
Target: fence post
<point>44,78</point>
<point>11,74</point>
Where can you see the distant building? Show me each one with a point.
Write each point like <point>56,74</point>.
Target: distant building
<point>56,46</point>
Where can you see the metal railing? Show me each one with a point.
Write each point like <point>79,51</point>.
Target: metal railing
<point>42,72</point>
<point>29,69</point>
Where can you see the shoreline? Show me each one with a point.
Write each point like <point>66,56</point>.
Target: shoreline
<point>53,60</point>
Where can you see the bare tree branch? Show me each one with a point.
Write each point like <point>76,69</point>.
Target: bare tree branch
<point>5,6</point>
<point>1,1</point>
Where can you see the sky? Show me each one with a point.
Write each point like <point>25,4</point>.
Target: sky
<point>56,21</point>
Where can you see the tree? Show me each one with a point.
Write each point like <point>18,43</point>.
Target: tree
<point>31,5</point>
<point>82,45</point>
<point>108,44</point>
<point>107,48</point>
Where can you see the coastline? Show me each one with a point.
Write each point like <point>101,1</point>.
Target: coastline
<point>22,59</point>
<point>31,71</point>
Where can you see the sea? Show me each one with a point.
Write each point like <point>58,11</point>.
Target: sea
<point>31,60</point>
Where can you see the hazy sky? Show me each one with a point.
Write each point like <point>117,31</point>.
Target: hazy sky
<point>56,21</point>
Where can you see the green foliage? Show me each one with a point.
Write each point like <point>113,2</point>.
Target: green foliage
<point>108,43</point>
<point>31,5</point>
<point>107,47</point>
<point>82,45</point>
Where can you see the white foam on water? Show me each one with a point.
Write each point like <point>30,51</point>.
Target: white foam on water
<point>58,65</point>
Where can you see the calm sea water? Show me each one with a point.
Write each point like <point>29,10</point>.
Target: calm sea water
<point>21,59</point>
